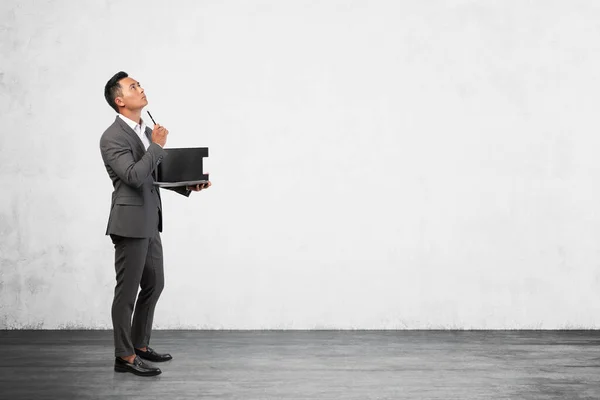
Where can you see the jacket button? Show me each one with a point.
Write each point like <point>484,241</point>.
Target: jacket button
<point>152,190</point>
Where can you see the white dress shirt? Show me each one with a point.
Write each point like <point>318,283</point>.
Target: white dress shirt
<point>139,129</point>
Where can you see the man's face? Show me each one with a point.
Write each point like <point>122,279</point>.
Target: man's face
<point>132,96</point>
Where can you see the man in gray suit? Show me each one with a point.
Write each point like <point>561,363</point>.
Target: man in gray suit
<point>131,152</point>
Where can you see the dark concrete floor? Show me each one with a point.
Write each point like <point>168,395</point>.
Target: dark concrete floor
<point>309,365</point>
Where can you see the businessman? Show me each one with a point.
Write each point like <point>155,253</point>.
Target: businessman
<point>131,152</point>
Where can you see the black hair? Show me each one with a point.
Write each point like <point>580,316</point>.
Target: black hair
<point>113,89</point>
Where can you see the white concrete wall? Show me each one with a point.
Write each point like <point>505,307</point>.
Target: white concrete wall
<point>375,164</point>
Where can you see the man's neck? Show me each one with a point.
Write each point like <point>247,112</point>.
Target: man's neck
<point>135,115</point>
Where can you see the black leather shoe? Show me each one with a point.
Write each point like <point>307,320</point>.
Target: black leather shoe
<point>151,355</point>
<point>138,367</point>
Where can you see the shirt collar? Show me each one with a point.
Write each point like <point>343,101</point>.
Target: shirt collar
<point>134,124</point>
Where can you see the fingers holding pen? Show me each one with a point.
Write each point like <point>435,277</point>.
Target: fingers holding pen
<point>159,135</point>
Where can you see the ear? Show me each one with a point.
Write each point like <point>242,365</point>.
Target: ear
<point>119,102</point>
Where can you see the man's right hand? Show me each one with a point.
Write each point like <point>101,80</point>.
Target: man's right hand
<point>159,135</point>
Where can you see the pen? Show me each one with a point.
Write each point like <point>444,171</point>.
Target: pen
<point>151,117</point>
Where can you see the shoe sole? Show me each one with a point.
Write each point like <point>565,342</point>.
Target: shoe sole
<point>125,369</point>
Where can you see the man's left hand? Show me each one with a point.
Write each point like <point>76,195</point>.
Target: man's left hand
<point>199,187</point>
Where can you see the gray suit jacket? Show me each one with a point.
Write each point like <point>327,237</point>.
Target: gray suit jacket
<point>136,209</point>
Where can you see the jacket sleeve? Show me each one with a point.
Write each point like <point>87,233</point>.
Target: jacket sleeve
<point>181,190</point>
<point>117,154</point>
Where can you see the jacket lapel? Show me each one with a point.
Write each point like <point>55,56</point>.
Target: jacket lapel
<point>140,145</point>
<point>131,133</point>
<point>149,136</point>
